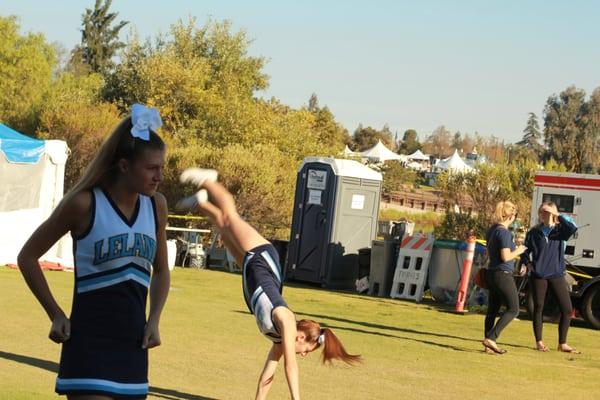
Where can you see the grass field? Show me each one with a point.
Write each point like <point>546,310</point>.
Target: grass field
<point>212,349</point>
<point>424,221</point>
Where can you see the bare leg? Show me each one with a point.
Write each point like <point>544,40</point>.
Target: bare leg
<point>238,236</point>
<point>215,217</point>
<point>233,229</point>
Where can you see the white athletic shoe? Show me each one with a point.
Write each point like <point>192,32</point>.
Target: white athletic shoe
<point>198,176</point>
<point>191,202</point>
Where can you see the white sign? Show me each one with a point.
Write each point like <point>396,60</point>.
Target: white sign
<point>314,197</point>
<point>358,202</point>
<point>317,179</point>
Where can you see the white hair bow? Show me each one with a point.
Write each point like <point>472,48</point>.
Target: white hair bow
<point>143,119</point>
<point>321,338</point>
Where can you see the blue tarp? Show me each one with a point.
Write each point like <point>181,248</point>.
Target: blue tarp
<point>19,148</point>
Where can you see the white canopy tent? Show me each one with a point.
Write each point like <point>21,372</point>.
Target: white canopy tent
<point>380,153</point>
<point>418,156</point>
<point>348,152</point>
<point>453,163</point>
<point>32,180</point>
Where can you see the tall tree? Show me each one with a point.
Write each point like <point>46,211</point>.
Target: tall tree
<point>313,103</point>
<point>532,136</point>
<point>410,142</point>
<point>592,127</point>
<point>365,138</point>
<point>565,135</point>
<point>99,38</point>
<point>439,142</point>
<point>331,134</point>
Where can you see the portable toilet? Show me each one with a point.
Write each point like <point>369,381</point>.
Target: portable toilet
<point>336,208</point>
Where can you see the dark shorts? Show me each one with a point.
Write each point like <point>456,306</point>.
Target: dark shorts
<point>262,286</point>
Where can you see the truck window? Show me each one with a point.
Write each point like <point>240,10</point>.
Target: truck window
<point>563,202</point>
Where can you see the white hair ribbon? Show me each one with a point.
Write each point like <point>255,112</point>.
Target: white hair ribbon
<point>321,338</point>
<point>143,119</point>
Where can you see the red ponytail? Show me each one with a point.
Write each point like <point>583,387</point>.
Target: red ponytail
<point>332,347</point>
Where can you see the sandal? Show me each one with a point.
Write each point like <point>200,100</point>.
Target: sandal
<point>569,350</point>
<point>493,348</point>
<point>543,349</point>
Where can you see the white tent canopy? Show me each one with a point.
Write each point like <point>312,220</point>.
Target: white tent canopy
<point>453,163</point>
<point>348,152</point>
<point>380,153</point>
<point>418,155</point>
<point>32,179</point>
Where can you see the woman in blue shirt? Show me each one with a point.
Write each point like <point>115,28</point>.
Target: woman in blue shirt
<point>545,259</point>
<point>501,284</point>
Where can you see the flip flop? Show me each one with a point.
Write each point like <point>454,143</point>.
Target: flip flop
<point>571,350</point>
<point>493,348</point>
<point>543,349</point>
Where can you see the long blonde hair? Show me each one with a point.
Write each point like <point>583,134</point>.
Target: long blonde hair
<point>118,145</point>
<point>504,210</point>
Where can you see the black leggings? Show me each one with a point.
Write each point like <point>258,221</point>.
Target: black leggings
<point>502,290</point>
<point>561,292</point>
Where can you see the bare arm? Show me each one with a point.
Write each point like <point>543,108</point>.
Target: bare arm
<point>161,277</point>
<point>71,216</point>
<point>286,322</point>
<point>266,377</point>
<point>507,255</point>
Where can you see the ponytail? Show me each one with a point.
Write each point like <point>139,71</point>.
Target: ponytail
<point>332,347</point>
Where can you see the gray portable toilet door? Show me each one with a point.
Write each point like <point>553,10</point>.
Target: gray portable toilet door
<point>314,227</point>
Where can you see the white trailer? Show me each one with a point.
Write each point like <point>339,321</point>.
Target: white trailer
<point>577,195</point>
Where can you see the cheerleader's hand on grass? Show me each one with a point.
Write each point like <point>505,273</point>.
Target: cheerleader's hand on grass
<point>151,335</point>
<point>60,331</point>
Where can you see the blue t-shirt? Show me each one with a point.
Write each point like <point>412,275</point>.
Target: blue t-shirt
<point>498,238</point>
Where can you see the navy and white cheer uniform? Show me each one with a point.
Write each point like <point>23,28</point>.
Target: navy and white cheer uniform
<point>262,285</point>
<point>113,263</point>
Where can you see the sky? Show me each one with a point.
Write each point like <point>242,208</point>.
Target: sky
<point>472,66</point>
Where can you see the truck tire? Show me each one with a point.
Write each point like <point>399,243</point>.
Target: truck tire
<point>590,306</point>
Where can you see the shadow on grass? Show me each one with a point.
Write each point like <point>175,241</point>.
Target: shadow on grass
<point>52,366</point>
<point>398,329</point>
<point>388,335</point>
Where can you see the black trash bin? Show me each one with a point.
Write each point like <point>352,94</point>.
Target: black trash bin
<point>364,262</point>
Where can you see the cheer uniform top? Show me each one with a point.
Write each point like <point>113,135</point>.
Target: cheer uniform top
<point>113,263</point>
<point>262,286</point>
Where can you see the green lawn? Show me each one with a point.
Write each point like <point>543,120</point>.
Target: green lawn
<point>212,349</point>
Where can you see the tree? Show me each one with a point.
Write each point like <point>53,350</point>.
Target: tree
<point>410,142</point>
<point>532,136</point>
<point>592,127</point>
<point>491,184</point>
<point>26,66</point>
<point>331,133</point>
<point>438,143</point>
<point>99,39</point>
<point>566,137</point>
<point>395,176</point>
<point>365,138</point>
<point>313,103</point>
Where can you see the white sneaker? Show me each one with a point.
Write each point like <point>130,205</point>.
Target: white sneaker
<point>198,176</point>
<point>191,202</point>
